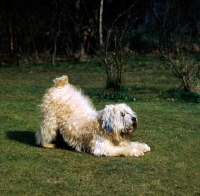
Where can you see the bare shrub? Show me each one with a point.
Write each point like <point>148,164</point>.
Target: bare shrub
<point>176,46</point>
<point>184,66</point>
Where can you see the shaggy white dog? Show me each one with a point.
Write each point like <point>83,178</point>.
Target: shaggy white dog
<point>66,111</point>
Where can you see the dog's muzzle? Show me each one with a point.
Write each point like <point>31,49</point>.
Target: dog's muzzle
<point>130,129</point>
<point>133,126</point>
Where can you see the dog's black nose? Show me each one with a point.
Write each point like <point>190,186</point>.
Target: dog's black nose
<point>133,119</point>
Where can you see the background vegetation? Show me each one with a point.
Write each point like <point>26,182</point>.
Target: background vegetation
<point>36,30</point>
<point>170,126</point>
<point>112,30</point>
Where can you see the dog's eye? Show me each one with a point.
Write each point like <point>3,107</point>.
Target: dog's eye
<point>122,114</point>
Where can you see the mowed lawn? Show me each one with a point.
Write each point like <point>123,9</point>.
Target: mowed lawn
<point>170,127</point>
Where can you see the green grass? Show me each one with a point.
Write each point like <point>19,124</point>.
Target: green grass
<point>170,128</point>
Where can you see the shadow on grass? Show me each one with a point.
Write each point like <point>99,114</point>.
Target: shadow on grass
<point>25,137</point>
<point>28,138</point>
<point>60,143</point>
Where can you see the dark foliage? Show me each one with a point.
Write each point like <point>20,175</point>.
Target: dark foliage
<point>31,28</point>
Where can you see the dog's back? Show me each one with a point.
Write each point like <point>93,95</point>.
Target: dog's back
<point>66,109</point>
<point>65,95</point>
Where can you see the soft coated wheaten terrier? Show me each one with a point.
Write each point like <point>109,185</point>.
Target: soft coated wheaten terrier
<point>67,112</point>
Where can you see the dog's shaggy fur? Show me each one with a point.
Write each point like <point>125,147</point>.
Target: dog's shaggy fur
<point>66,111</point>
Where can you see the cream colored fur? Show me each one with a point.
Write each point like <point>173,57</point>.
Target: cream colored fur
<point>65,110</point>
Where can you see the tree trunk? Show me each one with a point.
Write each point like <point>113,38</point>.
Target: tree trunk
<point>11,45</point>
<point>54,52</point>
<point>55,44</point>
<point>100,24</point>
<point>58,30</point>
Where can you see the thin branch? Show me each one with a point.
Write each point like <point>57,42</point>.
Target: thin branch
<point>115,21</point>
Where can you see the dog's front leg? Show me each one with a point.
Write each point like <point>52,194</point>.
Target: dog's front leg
<point>140,146</point>
<point>107,148</point>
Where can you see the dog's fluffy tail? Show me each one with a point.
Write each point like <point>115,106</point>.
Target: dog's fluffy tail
<point>61,81</point>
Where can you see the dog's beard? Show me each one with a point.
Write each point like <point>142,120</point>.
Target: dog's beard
<point>129,130</point>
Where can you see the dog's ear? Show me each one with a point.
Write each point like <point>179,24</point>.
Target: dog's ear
<point>107,117</point>
<point>112,117</point>
<point>107,127</point>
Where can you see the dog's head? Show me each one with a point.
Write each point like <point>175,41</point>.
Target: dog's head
<point>119,120</point>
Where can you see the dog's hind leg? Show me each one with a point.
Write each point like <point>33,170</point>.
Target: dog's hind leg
<point>45,136</point>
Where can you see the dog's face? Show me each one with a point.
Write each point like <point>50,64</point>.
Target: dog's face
<point>118,119</point>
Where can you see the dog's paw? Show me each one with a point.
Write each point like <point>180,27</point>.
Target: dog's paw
<point>145,148</point>
<point>136,152</point>
<point>48,145</point>
<point>140,146</point>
